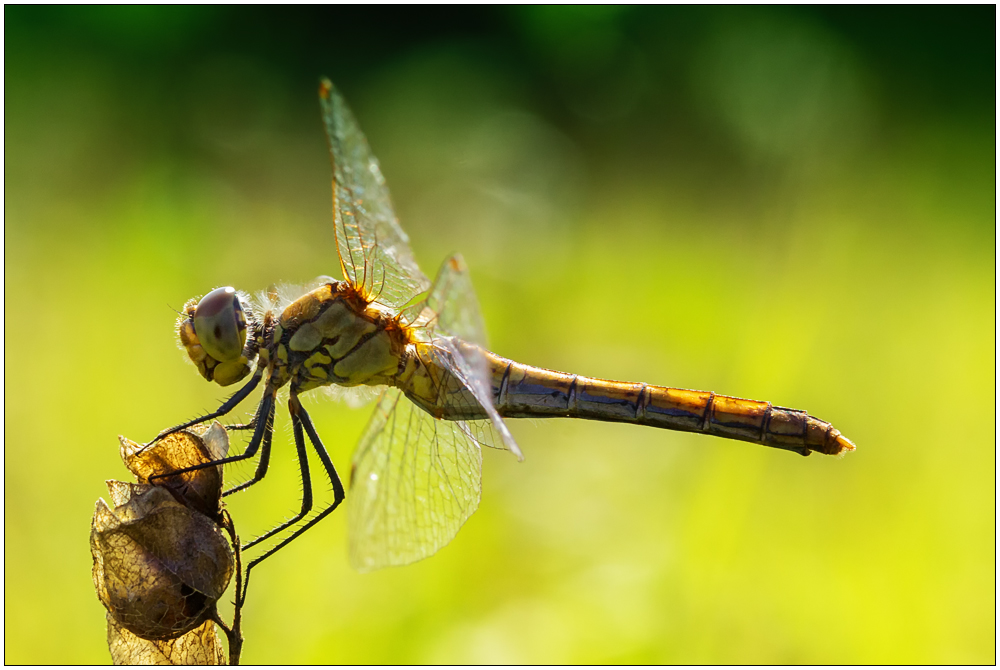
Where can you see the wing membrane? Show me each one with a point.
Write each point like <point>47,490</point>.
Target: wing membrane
<point>374,251</point>
<point>451,306</point>
<point>468,385</point>
<point>414,481</point>
<point>450,321</point>
<point>415,478</point>
<point>453,299</point>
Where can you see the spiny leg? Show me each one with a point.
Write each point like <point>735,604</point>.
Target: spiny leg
<point>249,425</point>
<point>299,413</point>
<point>307,496</point>
<point>263,428</point>
<point>224,409</point>
<point>265,453</point>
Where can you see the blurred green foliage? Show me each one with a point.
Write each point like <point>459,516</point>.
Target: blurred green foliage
<point>793,204</point>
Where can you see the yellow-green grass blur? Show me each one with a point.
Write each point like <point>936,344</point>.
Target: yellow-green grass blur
<point>784,204</point>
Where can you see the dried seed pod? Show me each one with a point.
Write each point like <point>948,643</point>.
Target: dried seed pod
<point>159,566</point>
<point>201,489</point>
<point>199,646</point>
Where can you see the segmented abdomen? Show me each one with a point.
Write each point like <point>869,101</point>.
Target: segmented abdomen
<point>526,391</point>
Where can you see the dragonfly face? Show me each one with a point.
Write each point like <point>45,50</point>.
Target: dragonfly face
<point>220,324</point>
<point>213,331</point>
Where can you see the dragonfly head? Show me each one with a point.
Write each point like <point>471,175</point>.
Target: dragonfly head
<point>213,331</point>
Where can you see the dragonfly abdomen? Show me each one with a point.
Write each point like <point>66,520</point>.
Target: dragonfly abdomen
<point>526,391</point>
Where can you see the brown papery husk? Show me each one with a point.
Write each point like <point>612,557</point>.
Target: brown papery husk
<point>200,489</point>
<point>159,566</point>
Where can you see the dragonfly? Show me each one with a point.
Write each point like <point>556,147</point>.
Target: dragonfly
<point>415,475</point>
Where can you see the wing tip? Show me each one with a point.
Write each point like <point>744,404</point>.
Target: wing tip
<point>457,263</point>
<point>511,444</point>
<point>325,88</point>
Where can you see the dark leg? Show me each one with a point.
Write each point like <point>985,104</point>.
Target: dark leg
<point>338,489</point>
<point>249,425</point>
<point>266,409</point>
<point>265,453</point>
<point>226,407</point>
<point>307,496</point>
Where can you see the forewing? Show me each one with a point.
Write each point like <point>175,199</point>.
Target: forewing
<point>453,300</point>
<point>374,251</point>
<point>454,325</point>
<point>469,373</point>
<point>414,481</point>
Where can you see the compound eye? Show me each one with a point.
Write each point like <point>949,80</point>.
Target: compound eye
<point>220,325</point>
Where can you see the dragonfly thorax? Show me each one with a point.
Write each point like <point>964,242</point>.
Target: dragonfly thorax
<point>328,336</point>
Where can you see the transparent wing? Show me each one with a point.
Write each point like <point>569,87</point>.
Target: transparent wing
<point>450,320</point>
<point>451,307</point>
<point>414,481</point>
<point>467,386</point>
<point>374,251</point>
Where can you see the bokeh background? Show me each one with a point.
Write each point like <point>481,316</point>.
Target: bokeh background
<point>793,204</point>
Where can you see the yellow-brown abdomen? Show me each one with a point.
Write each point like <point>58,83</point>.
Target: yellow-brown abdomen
<point>526,391</point>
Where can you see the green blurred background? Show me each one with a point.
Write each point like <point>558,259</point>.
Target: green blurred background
<point>792,204</point>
